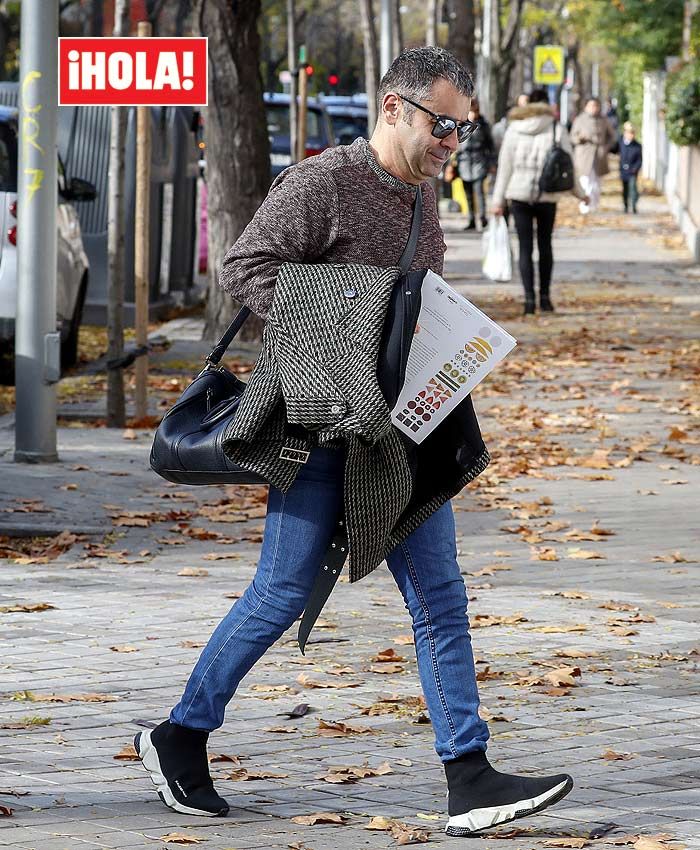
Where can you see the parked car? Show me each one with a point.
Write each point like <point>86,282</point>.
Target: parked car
<point>348,114</point>
<point>72,262</point>
<point>319,130</point>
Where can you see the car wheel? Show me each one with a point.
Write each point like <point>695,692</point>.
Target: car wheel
<point>69,345</point>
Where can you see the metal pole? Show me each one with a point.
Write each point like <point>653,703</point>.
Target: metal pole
<point>293,70</point>
<point>37,345</point>
<point>141,244</point>
<point>386,53</point>
<point>301,114</point>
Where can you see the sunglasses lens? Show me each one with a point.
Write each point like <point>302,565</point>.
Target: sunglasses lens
<point>443,127</point>
<point>464,133</point>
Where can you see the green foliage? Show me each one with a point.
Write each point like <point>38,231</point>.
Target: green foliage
<point>649,29</point>
<point>683,105</point>
<point>628,83</point>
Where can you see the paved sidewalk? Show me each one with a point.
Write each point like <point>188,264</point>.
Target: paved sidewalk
<point>580,546</point>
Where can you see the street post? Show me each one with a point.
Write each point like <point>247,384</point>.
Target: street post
<point>142,221</point>
<point>37,344</point>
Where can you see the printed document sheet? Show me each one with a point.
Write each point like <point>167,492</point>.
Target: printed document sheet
<point>454,347</point>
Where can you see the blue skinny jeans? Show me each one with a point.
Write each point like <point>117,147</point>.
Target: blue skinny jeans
<point>298,527</point>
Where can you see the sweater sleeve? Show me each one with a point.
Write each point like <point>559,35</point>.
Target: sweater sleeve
<point>297,222</point>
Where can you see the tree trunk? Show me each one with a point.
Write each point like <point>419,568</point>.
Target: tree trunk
<point>116,410</point>
<point>369,40</point>
<point>396,27</point>
<point>184,9</point>
<point>506,45</point>
<point>431,23</point>
<point>460,33</point>
<point>238,149</point>
<point>97,18</point>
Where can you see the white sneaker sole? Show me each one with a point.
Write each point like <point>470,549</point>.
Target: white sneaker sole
<point>478,819</point>
<point>149,758</point>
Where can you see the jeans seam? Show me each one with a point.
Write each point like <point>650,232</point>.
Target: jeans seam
<point>248,616</point>
<point>431,641</point>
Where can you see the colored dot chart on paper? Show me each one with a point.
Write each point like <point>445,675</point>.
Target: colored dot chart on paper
<point>449,380</point>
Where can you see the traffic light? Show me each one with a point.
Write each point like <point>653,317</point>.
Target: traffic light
<point>333,80</point>
<point>309,70</point>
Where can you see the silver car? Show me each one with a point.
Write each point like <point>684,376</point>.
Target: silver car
<point>72,264</point>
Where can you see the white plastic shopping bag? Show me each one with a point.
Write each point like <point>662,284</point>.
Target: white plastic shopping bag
<point>495,249</point>
<point>591,186</point>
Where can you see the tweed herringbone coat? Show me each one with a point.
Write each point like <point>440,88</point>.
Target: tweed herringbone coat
<point>315,383</point>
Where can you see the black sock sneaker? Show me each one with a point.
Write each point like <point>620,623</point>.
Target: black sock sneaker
<point>176,759</point>
<point>480,797</point>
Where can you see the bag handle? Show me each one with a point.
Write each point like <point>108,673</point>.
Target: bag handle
<point>404,264</point>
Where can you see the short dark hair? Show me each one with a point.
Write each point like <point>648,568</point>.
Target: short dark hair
<point>414,72</point>
<point>539,96</point>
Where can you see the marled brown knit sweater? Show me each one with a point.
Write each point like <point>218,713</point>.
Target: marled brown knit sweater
<point>338,207</point>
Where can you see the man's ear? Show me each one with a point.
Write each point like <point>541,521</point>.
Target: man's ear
<point>391,108</point>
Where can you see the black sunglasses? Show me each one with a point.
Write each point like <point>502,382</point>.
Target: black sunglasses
<point>444,125</point>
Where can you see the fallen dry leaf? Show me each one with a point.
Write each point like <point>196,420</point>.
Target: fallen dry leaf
<point>6,811</point>
<point>544,554</point>
<point>194,572</point>
<point>552,630</point>
<point>123,648</point>
<point>673,558</point>
<point>320,817</point>
<point>566,842</point>
<point>341,730</point>
<point>585,555</point>
<point>574,652</point>
<point>308,682</point>
<point>349,774</point>
<point>403,640</point>
<point>127,754</point>
<point>26,609</point>
<point>214,758</point>
<point>481,621</point>
<point>388,655</point>
<point>242,774</point>
<point>611,755</point>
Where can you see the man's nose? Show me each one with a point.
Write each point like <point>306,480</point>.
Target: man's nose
<point>451,142</point>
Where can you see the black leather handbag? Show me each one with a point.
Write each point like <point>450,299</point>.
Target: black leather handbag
<point>187,443</point>
<point>187,446</point>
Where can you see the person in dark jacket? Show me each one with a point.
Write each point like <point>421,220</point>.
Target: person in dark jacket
<point>474,160</point>
<point>630,165</point>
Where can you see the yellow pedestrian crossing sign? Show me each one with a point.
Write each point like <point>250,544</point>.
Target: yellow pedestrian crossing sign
<point>549,65</point>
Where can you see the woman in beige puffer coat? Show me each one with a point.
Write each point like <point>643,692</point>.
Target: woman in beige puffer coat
<point>526,143</point>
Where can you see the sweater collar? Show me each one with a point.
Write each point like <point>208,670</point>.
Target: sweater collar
<point>382,173</point>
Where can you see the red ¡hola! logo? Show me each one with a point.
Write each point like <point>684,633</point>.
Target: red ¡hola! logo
<point>132,71</point>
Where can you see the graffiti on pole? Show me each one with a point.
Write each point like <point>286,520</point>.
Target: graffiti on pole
<point>31,128</point>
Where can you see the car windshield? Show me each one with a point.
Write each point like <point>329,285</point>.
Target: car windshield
<point>278,121</point>
<point>8,158</point>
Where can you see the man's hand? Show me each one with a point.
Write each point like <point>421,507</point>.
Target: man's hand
<point>497,211</point>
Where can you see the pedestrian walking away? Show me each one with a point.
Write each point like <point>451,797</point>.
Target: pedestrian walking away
<point>352,207</point>
<point>630,166</point>
<point>532,130</point>
<point>475,159</point>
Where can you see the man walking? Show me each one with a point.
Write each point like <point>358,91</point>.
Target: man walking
<point>353,204</point>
